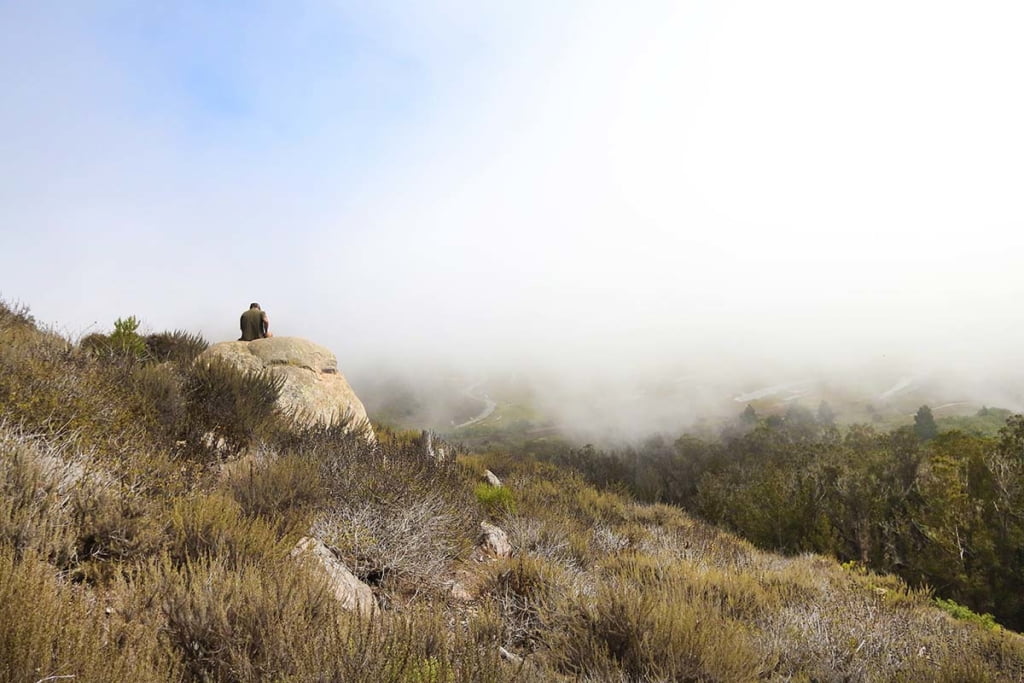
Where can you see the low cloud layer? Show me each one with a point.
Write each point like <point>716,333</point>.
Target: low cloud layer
<point>592,190</point>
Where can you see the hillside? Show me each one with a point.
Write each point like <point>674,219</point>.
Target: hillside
<point>151,506</point>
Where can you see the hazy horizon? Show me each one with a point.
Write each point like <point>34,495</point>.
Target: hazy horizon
<point>790,189</point>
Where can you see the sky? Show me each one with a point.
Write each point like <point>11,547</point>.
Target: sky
<point>605,186</point>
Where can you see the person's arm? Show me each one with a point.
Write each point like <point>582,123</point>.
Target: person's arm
<point>266,325</point>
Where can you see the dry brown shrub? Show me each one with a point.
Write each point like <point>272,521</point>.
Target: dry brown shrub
<point>283,490</point>
<point>47,387</point>
<point>406,547</point>
<point>114,523</point>
<point>212,525</point>
<point>179,346</point>
<point>629,632</point>
<point>544,538</point>
<point>839,625</point>
<point>49,628</point>
<point>397,518</point>
<point>159,402</point>
<point>525,589</point>
<point>35,510</point>
<point>243,623</point>
<point>274,621</point>
<point>15,315</point>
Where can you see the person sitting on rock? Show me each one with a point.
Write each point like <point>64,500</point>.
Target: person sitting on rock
<point>255,323</point>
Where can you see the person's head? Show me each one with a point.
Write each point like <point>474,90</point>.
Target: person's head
<point>254,305</point>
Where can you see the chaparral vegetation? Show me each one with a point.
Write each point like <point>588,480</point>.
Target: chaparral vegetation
<point>151,506</point>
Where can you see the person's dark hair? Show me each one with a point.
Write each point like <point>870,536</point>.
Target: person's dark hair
<point>254,305</point>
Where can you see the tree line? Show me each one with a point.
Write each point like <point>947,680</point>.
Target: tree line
<point>943,510</point>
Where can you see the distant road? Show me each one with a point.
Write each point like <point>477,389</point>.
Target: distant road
<point>770,391</point>
<point>489,405</point>
<point>896,388</point>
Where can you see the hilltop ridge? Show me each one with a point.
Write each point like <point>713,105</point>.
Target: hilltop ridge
<point>132,549</point>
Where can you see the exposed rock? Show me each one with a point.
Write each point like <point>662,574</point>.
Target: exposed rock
<point>427,442</point>
<point>464,585</point>
<point>460,593</point>
<point>353,594</point>
<point>214,442</point>
<point>314,391</point>
<point>430,450</point>
<point>492,479</point>
<point>494,541</point>
<point>509,656</point>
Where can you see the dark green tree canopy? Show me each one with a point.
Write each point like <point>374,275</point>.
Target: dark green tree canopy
<point>924,424</point>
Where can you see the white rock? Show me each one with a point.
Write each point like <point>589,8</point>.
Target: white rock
<point>494,540</point>
<point>460,593</point>
<point>492,479</point>
<point>353,594</point>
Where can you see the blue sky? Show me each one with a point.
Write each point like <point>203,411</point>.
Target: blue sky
<point>575,181</point>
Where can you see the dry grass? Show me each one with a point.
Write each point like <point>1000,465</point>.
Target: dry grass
<point>50,628</point>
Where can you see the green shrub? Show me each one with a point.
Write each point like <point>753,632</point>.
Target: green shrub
<point>957,611</point>
<point>495,500</point>
<point>229,404</point>
<point>126,340</point>
<point>123,341</point>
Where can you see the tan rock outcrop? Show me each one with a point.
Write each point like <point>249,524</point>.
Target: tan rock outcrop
<point>314,391</point>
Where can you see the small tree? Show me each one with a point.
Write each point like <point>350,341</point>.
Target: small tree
<point>924,424</point>
<point>125,338</point>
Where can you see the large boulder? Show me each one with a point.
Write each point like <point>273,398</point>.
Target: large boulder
<point>314,391</point>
